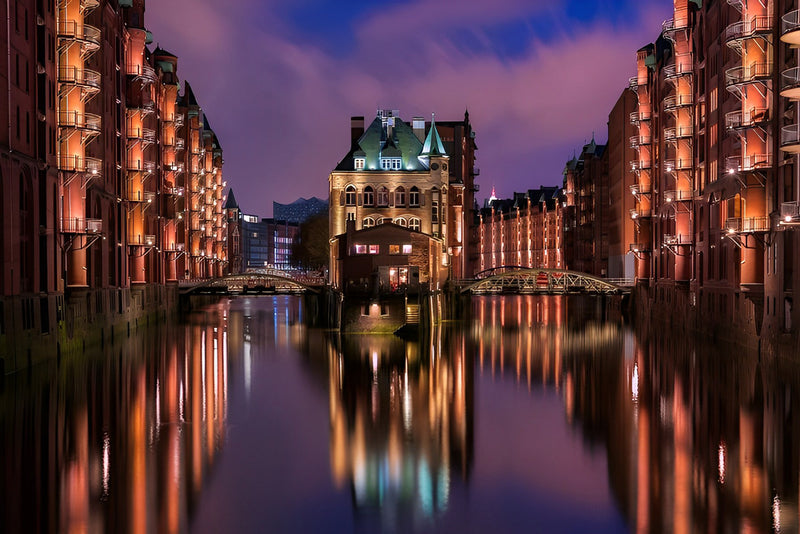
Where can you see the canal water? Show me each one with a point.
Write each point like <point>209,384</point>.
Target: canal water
<point>534,415</point>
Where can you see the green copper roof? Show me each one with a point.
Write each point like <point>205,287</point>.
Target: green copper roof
<point>433,143</point>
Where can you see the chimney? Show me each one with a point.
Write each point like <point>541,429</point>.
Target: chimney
<point>356,129</point>
<point>418,123</point>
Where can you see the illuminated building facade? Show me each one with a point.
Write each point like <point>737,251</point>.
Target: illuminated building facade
<point>717,186</point>
<point>525,231</point>
<point>267,243</point>
<point>405,174</point>
<point>98,199</point>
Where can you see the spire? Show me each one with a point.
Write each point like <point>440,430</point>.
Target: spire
<point>433,143</point>
<point>231,203</point>
<point>493,196</point>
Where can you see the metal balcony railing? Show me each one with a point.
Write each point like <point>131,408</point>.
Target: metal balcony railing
<point>141,196</point>
<point>143,71</point>
<point>175,247</point>
<point>180,144</point>
<point>790,22</point>
<point>745,29</point>
<point>638,140</point>
<point>680,22</point>
<point>91,166</point>
<point>790,82</point>
<point>680,164</point>
<point>639,116</point>
<point>737,4</point>
<point>640,189</point>
<point>790,211</point>
<point>179,119</point>
<point>746,119</point>
<point>677,101</point>
<point>677,132</point>
<point>639,248</point>
<point>174,191</point>
<point>790,135</point>
<point>679,195</point>
<point>87,79</point>
<point>640,165</point>
<point>747,224</point>
<point>141,166</point>
<point>681,67</point>
<point>633,83</point>
<point>677,239</point>
<point>640,213</point>
<point>77,225</point>
<point>88,123</point>
<point>145,240</point>
<point>143,134</point>
<point>88,36</point>
<point>748,74</point>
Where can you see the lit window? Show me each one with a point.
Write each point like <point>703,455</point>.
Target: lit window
<point>373,249</point>
<point>414,224</point>
<point>350,196</point>
<point>369,222</point>
<point>401,222</point>
<point>360,249</point>
<point>394,249</point>
<point>406,249</point>
<point>360,163</point>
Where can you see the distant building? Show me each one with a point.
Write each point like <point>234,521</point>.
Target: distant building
<point>300,210</point>
<point>234,219</point>
<point>267,243</point>
<point>524,231</point>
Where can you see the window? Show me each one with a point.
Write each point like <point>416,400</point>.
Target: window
<point>413,197</point>
<point>414,224</point>
<point>360,163</point>
<point>391,164</point>
<point>369,222</point>
<point>351,216</point>
<point>406,249</point>
<point>383,197</point>
<point>374,249</point>
<point>382,220</point>
<point>369,196</point>
<point>401,222</point>
<point>435,211</point>
<point>394,249</point>
<point>400,197</point>
<point>350,196</point>
<point>360,249</point>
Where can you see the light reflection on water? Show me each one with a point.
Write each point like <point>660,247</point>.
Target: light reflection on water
<point>535,415</point>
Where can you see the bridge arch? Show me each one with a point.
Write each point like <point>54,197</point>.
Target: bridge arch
<point>252,280</point>
<point>515,279</point>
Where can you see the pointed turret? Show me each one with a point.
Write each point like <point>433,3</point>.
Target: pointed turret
<point>433,143</point>
<point>231,203</point>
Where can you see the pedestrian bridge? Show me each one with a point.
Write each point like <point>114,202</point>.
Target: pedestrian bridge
<point>524,280</point>
<point>252,283</point>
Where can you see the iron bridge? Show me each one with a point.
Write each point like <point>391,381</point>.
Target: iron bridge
<point>524,280</point>
<point>258,282</point>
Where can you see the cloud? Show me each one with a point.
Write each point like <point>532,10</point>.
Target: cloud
<point>281,105</point>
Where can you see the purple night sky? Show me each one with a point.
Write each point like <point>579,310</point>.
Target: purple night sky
<point>279,80</point>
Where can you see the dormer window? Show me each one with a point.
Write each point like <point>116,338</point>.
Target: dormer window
<point>360,163</point>
<point>391,164</point>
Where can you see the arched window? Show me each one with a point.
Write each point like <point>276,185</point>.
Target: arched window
<point>382,220</point>
<point>414,224</point>
<point>350,196</point>
<point>401,222</point>
<point>413,197</point>
<point>383,197</point>
<point>435,206</point>
<point>369,196</point>
<point>369,222</point>
<point>400,197</point>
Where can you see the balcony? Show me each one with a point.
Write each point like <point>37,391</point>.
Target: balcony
<point>640,165</point>
<point>141,240</point>
<point>633,83</point>
<point>180,144</point>
<point>143,197</point>
<point>680,164</point>
<point>87,36</point>
<point>790,83</point>
<point>790,212</point>
<point>639,140</point>
<point>736,4</point>
<point>142,72</point>
<point>87,80</point>
<point>677,239</point>
<point>672,26</point>
<point>747,29</point>
<point>639,248</point>
<point>145,135</point>
<point>674,102</point>
<point>678,69</point>
<point>678,132</point>
<point>176,167</point>
<point>639,116</point>
<point>751,163</point>
<point>638,213</point>
<point>179,119</point>
<point>92,166</point>
<point>790,139</point>
<point>790,28</point>
<point>738,120</point>
<point>75,225</point>
<point>174,191</point>
<point>88,124</point>
<point>141,166</point>
<point>174,247</point>
<point>740,225</point>
<point>639,190</point>
<point>678,196</point>
<point>755,72</point>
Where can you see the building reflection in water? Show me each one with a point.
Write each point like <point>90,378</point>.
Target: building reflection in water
<point>120,441</point>
<point>401,424</point>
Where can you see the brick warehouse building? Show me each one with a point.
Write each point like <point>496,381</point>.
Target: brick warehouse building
<point>717,185</point>
<point>112,180</point>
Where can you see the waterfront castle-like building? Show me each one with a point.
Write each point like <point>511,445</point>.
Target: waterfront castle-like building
<point>419,176</point>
